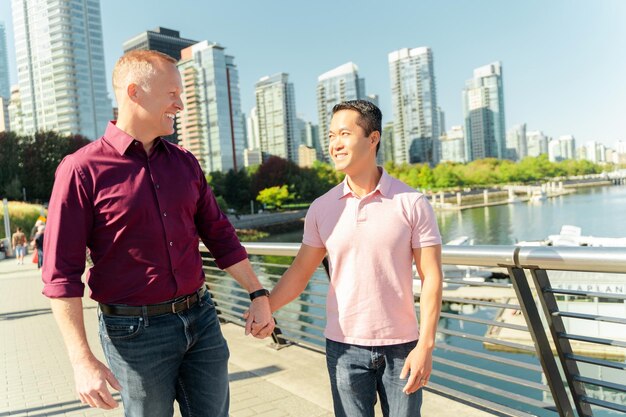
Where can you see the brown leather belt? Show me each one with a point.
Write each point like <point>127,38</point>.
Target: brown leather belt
<point>174,306</point>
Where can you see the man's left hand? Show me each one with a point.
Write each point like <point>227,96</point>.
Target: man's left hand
<point>259,321</point>
<point>417,366</point>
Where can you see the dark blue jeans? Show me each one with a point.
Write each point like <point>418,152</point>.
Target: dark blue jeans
<point>159,359</point>
<point>359,373</point>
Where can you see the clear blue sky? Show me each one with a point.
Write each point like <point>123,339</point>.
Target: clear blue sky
<point>564,60</point>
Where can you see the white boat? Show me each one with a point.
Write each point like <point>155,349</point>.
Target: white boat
<point>537,196</point>
<point>572,236</point>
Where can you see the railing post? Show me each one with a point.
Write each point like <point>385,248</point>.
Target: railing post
<point>542,345</point>
<point>563,346</point>
<point>278,340</point>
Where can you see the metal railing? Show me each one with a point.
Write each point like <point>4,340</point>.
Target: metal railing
<point>518,343</point>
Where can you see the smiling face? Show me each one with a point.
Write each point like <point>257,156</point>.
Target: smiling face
<point>159,99</point>
<point>351,150</point>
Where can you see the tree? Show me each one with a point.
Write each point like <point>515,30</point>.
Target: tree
<point>274,196</point>
<point>9,161</point>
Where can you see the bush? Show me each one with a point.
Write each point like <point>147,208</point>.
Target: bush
<point>21,215</point>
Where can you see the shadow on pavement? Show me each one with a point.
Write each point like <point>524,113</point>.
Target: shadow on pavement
<point>63,408</point>
<point>238,376</point>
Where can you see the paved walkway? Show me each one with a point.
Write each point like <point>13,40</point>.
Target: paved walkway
<point>36,378</point>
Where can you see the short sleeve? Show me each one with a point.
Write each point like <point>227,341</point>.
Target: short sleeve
<point>311,235</point>
<point>425,231</point>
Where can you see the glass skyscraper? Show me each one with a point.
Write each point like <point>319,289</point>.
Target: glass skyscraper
<point>337,85</point>
<point>276,112</point>
<point>483,109</point>
<point>160,39</point>
<point>211,124</point>
<point>60,66</point>
<point>414,99</point>
<point>5,90</point>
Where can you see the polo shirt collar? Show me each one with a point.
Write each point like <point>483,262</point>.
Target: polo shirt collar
<point>383,186</point>
<point>121,140</point>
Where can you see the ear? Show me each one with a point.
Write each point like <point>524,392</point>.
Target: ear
<point>132,91</point>
<point>375,138</point>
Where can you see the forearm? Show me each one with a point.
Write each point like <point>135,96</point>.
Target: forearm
<point>291,284</point>
<point>430,308</point>
<point>243,273</point>
<point>68,313</point>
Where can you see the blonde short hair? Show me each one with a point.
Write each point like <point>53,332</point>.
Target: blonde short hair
<point>137,67</point>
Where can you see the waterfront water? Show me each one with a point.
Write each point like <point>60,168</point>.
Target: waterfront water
<point>598,211</point>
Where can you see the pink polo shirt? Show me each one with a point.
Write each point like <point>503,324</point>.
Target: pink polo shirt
<point>369,242</point>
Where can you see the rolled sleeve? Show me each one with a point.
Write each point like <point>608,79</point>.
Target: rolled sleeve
<point>69,223</point>
<point>216,231</point>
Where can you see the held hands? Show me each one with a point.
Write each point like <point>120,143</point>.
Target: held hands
<point>420,364</point>
<point>259,321</point>
<point>91,378</point>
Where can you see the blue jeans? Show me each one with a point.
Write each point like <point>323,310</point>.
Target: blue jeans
<point>159,359</point>
<point>358,373</point>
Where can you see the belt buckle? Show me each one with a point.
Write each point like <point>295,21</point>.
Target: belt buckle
<point>184,305</point>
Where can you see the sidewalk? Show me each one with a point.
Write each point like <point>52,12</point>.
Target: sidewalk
<point>37,378</point>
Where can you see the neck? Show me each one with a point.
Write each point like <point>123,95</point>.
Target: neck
<point>138,131</point>
<point>364,182</point>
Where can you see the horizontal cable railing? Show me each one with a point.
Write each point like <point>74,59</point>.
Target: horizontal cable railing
<point>489,353</point>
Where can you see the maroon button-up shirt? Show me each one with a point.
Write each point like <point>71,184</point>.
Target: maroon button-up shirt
<point>139,216</point>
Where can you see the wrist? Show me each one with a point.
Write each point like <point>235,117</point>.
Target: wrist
<point>262,293</point>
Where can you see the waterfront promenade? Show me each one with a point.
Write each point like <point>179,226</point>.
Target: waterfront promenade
<point>37,378</point>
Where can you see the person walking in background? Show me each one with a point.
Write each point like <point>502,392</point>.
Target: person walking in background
<point>141,204</point>
<point>373,227</point>
<point>18,241</point>
<point>38,243</point>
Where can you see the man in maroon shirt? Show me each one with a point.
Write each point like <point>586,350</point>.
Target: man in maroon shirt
<point>140,203</point>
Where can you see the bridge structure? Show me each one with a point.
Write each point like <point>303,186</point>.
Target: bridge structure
<point>548,338</point>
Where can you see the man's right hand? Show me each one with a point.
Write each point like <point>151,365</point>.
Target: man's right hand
<point>91,378</point>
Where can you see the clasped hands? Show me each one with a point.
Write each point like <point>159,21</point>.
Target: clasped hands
<point>258,317</point>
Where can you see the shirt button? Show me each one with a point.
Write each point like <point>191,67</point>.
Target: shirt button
<point>164,214</point>
<point>157,186</point>
<point>171,243</point>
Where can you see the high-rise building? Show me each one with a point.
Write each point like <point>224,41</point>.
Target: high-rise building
<point>337,85</point>
<point>60,66</point>
<point>252,129</point>
<point>374,99</point>
<point>306,156</point>
<point>483,108</point>
<point>385,152</point>
<point>537,143</point>
<point>414,99</point>
<point>620,147</point>
<point>554,151</point>
<point>516,146</point>
<point>4,64</point>
<point>453,145</point>
<point>276,111</point>
<point>160,39</point>
<point>568,146</point>
<point>16,121</point>
<point>211,124</point>
<point>5,123</point>
<point>595,152</point>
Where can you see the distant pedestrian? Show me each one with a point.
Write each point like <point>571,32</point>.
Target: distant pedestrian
<point>19,245</point>
<point>38,240</point>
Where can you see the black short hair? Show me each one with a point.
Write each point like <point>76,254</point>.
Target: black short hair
<point>370,116</point>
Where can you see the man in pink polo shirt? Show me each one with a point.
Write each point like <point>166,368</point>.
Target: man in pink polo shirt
<point>373,227</point>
